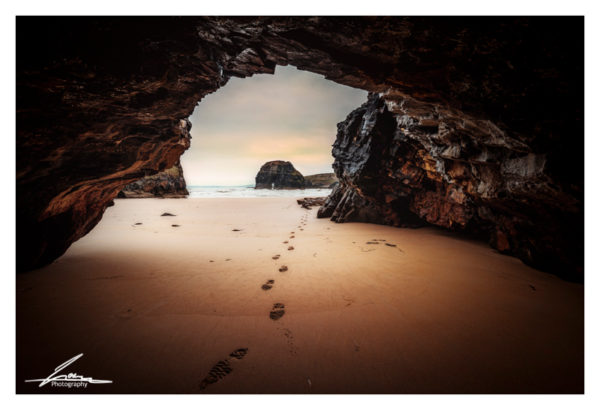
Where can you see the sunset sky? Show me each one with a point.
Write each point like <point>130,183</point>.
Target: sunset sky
<point>290,116</point>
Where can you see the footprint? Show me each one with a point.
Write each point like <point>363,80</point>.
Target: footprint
<point>167,214</point>
<point>275,257</point>
<point>283,268</point>
<point>222,368</point>
<point>268,285</point>
<point>236,230</point>
<point>292,237</point>
<point>290,248</point>
<point>277,312</point>
<point>285,241</point>
<point>227,260</point>
<point>137,223</point>
<point>292,233</point>
<point>372,243</point>
<point>211,260</point>
<point>175,226</point>
<point>390,244</point>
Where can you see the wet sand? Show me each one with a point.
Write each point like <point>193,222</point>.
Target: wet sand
<point>204,307</point>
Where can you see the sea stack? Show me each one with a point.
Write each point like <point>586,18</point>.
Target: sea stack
<point>279,175</point>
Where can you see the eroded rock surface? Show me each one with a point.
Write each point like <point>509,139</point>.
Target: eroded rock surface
<point>279,175</point>
<point>405,167</point>
<point>166,184</point>
<point>103,101</point>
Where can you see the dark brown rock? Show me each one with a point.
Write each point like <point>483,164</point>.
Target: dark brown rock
<point>308,203</point>
<point>321,180</point>
<point>165,184</point>
<point>279,175</point>
<point>458,103</point>
<point>397,169</point>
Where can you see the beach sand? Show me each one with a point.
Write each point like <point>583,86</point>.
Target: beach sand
<point>154,307</point>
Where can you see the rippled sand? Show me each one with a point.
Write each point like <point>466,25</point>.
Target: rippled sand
<point>203,307</point>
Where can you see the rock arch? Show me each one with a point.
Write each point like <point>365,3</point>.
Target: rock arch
<point>472,123</point>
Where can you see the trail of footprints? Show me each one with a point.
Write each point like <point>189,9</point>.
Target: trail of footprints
<point>226,366</point>
<point>278,309</point>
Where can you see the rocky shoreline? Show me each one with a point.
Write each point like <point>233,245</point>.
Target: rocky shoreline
<point>402,165</point>
<point>165,184</point>
<point>282,175</point>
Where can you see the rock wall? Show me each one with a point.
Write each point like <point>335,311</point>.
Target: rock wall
<point>404,167</point>
<point>279,175</point>
<point>103,101</point>
<point>166,184</point>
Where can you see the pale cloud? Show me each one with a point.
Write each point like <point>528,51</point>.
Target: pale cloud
<point>290,116</point>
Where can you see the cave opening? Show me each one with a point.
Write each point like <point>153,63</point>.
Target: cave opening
<point>290,115</point>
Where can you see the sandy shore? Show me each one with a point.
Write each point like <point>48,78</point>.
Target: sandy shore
<point>154,307</point>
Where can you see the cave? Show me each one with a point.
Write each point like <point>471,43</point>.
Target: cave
<point>472,124</point>
<point>472,130</point>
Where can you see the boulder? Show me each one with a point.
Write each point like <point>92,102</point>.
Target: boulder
<point>166,184</point>
<point>308,203</point>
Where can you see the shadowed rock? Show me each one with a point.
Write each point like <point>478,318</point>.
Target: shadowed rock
<point>166,184</point>
<point>401,164</point>
<point>308,203</point>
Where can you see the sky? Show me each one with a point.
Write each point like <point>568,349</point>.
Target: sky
<point>291,115</point>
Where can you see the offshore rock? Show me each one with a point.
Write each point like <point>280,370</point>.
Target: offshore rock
<point>165,184</point>
<point>328,180</point>
<point>279,175</point>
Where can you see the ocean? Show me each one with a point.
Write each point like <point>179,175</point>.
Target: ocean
<point>249,192</point>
